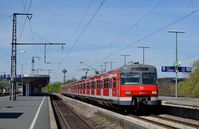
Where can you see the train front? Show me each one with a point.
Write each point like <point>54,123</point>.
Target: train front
<point>138,82</point>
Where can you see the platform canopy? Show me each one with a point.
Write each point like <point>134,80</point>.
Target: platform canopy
<point>34,83</point>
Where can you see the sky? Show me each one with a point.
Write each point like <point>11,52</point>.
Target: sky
<point>98,31</point>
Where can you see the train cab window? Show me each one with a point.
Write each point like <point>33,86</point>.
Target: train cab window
<point>130,79</point>
<point>114,82</point>
<point>149,78</point>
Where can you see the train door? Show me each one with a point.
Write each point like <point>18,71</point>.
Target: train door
<point>92,87</point>
<point>114,89</point>
<point>95,88</point>
<point>80,88</point>
<point>118,86</point>
<point>98,87</point>
<point>110,86</point>
<point>106,87</point>
<point>84,88</point>
<point>88,87</point>
<point>102,87</point>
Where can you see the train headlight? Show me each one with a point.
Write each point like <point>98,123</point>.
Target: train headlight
<point>128,92</point>
<point>154,92</point>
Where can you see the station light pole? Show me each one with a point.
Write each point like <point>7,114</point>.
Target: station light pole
<point>176,60</point>
<point>143,52</point>
<point>124,58</point>
<point>64,71</point>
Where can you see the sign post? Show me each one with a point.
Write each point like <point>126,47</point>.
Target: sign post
<point>176,69</point>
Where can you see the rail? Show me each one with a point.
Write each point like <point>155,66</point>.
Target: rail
<point>177,121</point>
<point>153,122</point>
<point>67,117</point>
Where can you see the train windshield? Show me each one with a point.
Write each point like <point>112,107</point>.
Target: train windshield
<point>130,79</point>
<point>149,78</point>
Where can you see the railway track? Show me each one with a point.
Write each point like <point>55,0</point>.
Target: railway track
<point>153,122</point>
<point>164,122</point>
<point>67,118</point>
<point>177,121</point>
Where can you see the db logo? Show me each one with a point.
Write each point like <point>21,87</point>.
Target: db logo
<point>141,88</point>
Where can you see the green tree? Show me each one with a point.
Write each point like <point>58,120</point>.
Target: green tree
<point>190,87</point>
<point>2,85</point>
<point>71,80</point>
<point>55,87</point>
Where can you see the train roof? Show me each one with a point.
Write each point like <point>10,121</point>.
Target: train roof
<point>127,69</point>
<point>124,69</point>
<point>137,68</point>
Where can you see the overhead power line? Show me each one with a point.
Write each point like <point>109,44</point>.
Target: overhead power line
<point>84,30</point>
<point>182,58</point>
<point>86,27</point>
<point>153,33</point>
<point>81,21</point>
<point>24,4</point>
<point>28,10</point>
<point>135,25</point>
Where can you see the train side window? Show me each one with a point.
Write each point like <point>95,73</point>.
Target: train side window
<point>114,82</point>
<point>92,85</point>
<point>98,84</point>
<point>106,83</point>
<point>84,86</point>
<point>88,85</point>
<point>95,84</point>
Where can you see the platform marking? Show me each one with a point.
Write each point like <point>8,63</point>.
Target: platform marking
<point>36,115</point>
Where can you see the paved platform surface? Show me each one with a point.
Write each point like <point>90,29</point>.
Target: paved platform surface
<point>194,102</point>
<point>25,113</point>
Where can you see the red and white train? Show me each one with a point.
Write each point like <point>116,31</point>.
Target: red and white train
<point>130,86</point>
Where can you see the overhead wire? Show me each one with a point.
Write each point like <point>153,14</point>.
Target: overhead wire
<point>182,58</point>
<point>24,4</point>
<point>135,25</point>
<point>152,33</point>
<point>85,28</point>
<point>81,21</point>
<point>78,27</point>
<point>26,8</point>
<point>22,27</point>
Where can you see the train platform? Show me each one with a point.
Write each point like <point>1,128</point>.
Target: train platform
<point>27,112</point>
<point>180,102</point>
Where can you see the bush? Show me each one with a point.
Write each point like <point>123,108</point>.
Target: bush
<point>190,87</point>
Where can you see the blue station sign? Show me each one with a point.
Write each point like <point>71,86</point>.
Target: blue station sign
<point>184,69</point>
<point>8,76</point>
<point>173,69</point>
<point>168,68</point>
